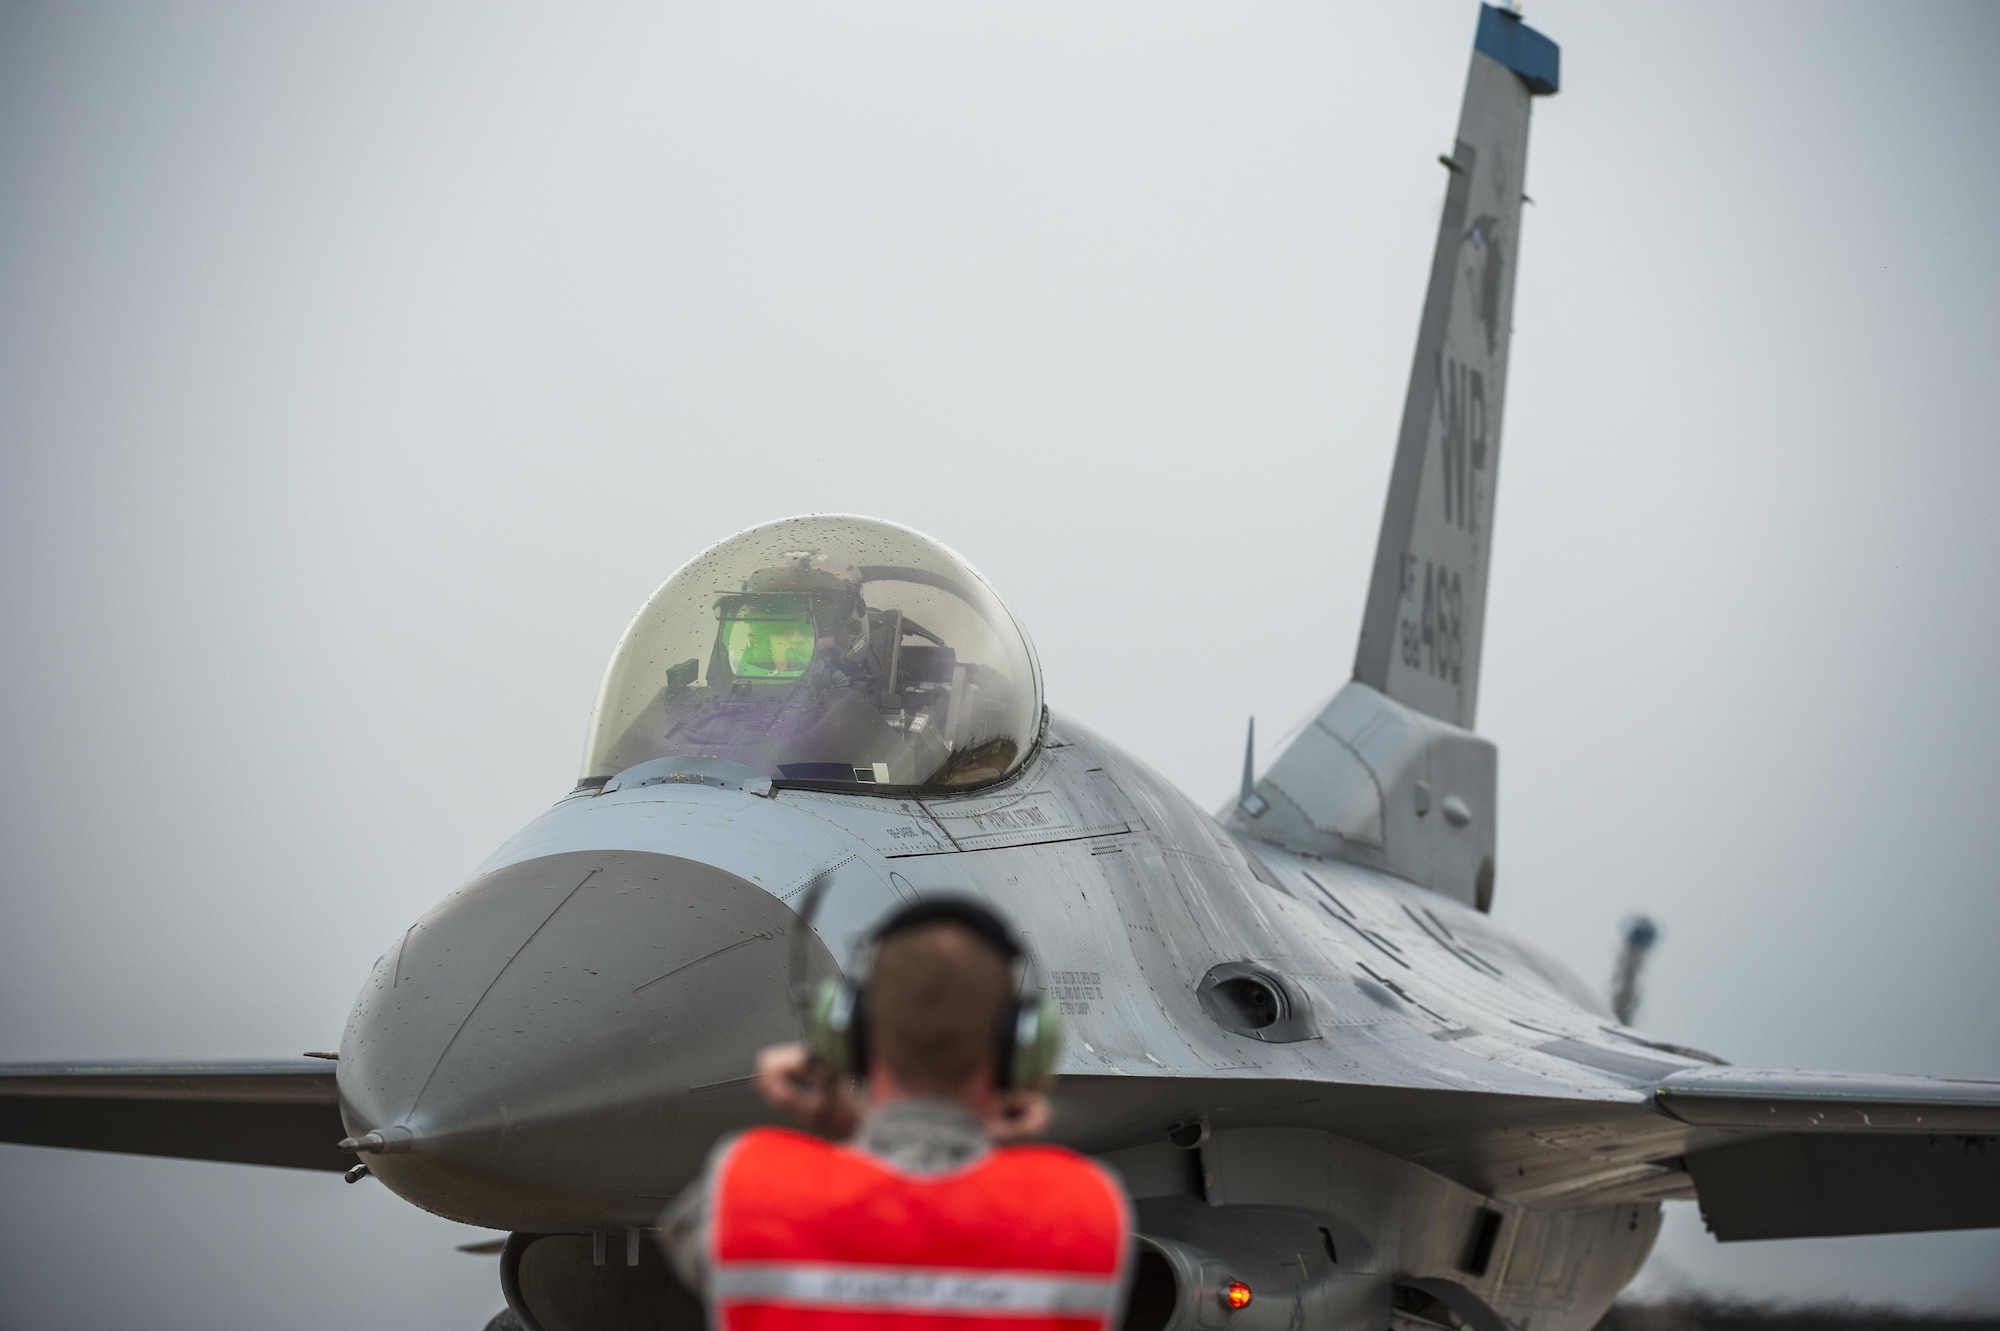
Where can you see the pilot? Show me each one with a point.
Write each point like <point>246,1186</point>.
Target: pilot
<point>797,674</point>
<point>922,1209</point>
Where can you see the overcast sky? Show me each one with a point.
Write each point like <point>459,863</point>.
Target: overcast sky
<point>362,368</point>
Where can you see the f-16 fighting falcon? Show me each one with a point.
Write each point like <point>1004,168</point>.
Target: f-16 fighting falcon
<point>1338,1095</point>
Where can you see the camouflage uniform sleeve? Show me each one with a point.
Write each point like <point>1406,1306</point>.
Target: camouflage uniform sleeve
<point>683,1226</point>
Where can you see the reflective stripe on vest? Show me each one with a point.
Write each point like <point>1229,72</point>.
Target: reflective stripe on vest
<point>807,1234</point>
<point>907,1289</point>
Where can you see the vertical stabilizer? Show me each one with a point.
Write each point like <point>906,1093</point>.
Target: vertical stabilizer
<point>1420,635</point>
<point>1388,774</point>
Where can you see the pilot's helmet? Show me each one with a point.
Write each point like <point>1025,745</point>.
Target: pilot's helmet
<point>771,628</point>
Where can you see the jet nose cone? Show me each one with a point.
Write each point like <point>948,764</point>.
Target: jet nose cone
<point>562,1038</point>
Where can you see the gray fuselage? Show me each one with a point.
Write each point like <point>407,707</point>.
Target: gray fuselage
<point>556,1045</point>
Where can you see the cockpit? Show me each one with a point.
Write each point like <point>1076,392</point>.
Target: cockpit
<point>828,651</point>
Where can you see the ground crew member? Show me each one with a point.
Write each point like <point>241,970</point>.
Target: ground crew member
<point>921,1218</point>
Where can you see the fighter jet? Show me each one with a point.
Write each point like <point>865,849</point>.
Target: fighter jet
<point>1339,1095</point>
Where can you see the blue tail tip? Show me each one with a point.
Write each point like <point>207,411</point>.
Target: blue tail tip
<point>1504,38</point>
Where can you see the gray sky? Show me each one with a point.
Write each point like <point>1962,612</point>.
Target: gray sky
<point>362,368</point>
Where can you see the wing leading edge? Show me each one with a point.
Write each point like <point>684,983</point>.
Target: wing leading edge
<point>1770,1154</point>
<point>283,1113</point>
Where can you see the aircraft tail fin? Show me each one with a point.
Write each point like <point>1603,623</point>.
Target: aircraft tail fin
<point>1421,631</point>
<point>1361,781</point>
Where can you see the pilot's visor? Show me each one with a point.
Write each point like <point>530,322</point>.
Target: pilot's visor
<point>768,637</point>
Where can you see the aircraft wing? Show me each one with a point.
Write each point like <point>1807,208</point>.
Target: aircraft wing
<point>1766,1154</point>
<point>1805,1154</point>
<point>255,1113</point>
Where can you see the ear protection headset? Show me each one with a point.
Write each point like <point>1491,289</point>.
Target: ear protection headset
<point>1027,1040</point>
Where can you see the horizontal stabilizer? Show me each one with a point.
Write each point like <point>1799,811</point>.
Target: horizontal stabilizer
<point>284,1113</point>
<point>1811,1154</point>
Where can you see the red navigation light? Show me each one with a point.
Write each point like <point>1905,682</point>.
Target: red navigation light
<point>1235,1295</point>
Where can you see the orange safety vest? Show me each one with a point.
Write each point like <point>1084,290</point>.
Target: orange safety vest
<point>805,1233</point>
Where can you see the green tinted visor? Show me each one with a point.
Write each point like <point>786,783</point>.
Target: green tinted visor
<point>767,637</point>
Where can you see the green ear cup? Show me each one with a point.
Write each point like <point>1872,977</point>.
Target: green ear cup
<point>1038,1037</point>
<point>829,1032</point>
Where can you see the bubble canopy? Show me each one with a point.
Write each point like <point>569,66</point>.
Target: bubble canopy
<point>828,650</point>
